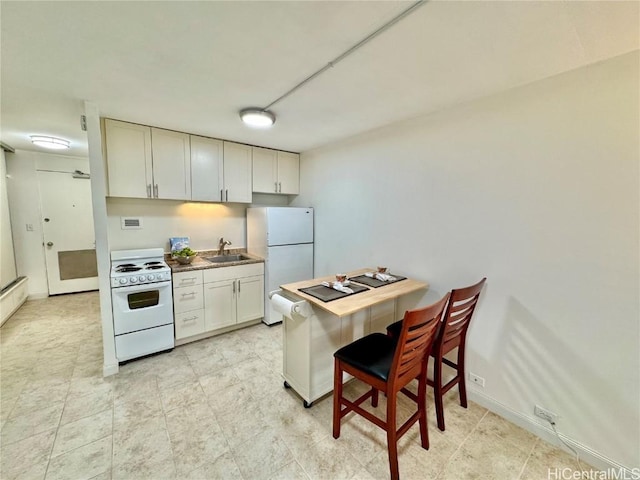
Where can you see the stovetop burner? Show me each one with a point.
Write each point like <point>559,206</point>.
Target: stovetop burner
<point>154,267</point>
<point>137,267</point>
<point>128,269</point>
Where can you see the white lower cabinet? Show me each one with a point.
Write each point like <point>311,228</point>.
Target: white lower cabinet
<point>188,304</point>
<point>189,324</point>
<point>233,295</point>
<point>186,299</point>
<point>216,299</point>
<point>250,299</point>
<point>220,303</point>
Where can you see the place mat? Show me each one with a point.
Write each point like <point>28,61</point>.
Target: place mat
<point>374,282</point>
<point>328,294</point>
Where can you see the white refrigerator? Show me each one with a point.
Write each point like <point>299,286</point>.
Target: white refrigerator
<point>283,236</point>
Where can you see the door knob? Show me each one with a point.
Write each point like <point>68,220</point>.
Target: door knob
<point>49,244</point>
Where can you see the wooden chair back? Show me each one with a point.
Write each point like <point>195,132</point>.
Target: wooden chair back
<point>457,317</point>
<point>419,330</point>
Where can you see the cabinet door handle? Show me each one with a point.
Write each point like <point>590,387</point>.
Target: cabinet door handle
<point>148,190</point>
<point>188,294</point>
<point>226,196</point>
<point>155,190</point>
<point>190,319</point>
<point>188,279</point>
<point>234,287</point>
<point>279,187</point>
<point>221,195</point>
<point>276,186</point>
<point>238,287</point>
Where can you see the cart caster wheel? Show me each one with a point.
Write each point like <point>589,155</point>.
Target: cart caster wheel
<point>307,404</point>
<point>286,385</point>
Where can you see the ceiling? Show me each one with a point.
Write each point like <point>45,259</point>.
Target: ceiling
<point>191,66</point>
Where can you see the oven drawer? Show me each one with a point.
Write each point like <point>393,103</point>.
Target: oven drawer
<point>189,323</point>
<point>187,298</point>
<point>144,342</point>
<point>187,279</point>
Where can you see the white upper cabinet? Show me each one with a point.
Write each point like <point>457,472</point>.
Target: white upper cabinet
<point>275,171</point>
<point>146,162</point>
<point>237,173</point>
<point>288,173</point>
<point>265,170</point>
<point>171,164</point>
<point>149,162</point>
<point>207,174</point>
<point>128,150</point>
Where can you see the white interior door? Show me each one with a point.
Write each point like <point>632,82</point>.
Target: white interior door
<point>68,235</point>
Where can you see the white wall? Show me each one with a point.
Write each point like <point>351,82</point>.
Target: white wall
<point>537,189</point>
<point>203,223</point>
<point>8,271</point>
<point>24,200</point>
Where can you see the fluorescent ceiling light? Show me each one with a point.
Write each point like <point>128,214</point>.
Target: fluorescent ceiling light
<point>257,117</point>
<point>50,142</point>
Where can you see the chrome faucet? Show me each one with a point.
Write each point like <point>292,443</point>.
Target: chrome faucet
<point>223,243</point>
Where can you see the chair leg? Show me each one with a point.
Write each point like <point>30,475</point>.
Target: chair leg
<point>462,386</point>
<point>437,391</point>
<point>392,436</point>
<point>422,407</point>
<point>374,397</point>
<point>337,397</point>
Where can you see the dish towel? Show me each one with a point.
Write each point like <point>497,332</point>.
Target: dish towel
<point>383,277</point>
<point>337,286</point>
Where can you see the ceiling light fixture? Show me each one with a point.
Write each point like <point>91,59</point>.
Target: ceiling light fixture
<point>50,142</point>
<point>257,117</point>
<point>263,118</point>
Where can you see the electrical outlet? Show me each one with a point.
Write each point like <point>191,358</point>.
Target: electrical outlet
<point>545,414</point>
<point>29,227</point>
<point>476,379</point>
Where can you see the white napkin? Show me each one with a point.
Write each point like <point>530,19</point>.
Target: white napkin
<point>338,286</point>
<point>383,277</point>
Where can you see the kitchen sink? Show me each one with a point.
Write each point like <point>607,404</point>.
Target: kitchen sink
<point>227,258</point>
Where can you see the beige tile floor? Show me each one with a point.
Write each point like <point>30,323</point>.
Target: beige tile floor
<point>214,409</point>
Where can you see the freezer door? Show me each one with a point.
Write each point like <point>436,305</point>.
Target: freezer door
<point>289,225</point>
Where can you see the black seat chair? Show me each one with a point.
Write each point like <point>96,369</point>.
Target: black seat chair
<point>388,365</point>
<point>453,333</point>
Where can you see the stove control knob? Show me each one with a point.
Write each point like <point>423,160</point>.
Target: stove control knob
<point>133,279</point>
<point>123,281</point>
<point>159,276</point>
<point>150,277</point>
<point>142,278</point>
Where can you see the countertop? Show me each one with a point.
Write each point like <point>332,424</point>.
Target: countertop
<point>199,263</point>
<point>353,303</point>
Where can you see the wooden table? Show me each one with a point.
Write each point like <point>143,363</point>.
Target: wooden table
<point>309,342</point>
<point>353,303</point>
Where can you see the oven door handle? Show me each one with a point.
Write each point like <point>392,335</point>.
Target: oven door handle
<point>143,287</point>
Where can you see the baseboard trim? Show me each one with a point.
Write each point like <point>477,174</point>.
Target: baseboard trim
<point>108,370</point>
<point>37,296</point>
<point>532,425</point>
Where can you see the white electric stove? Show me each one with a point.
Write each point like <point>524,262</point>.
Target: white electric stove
<point>142,303</point>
